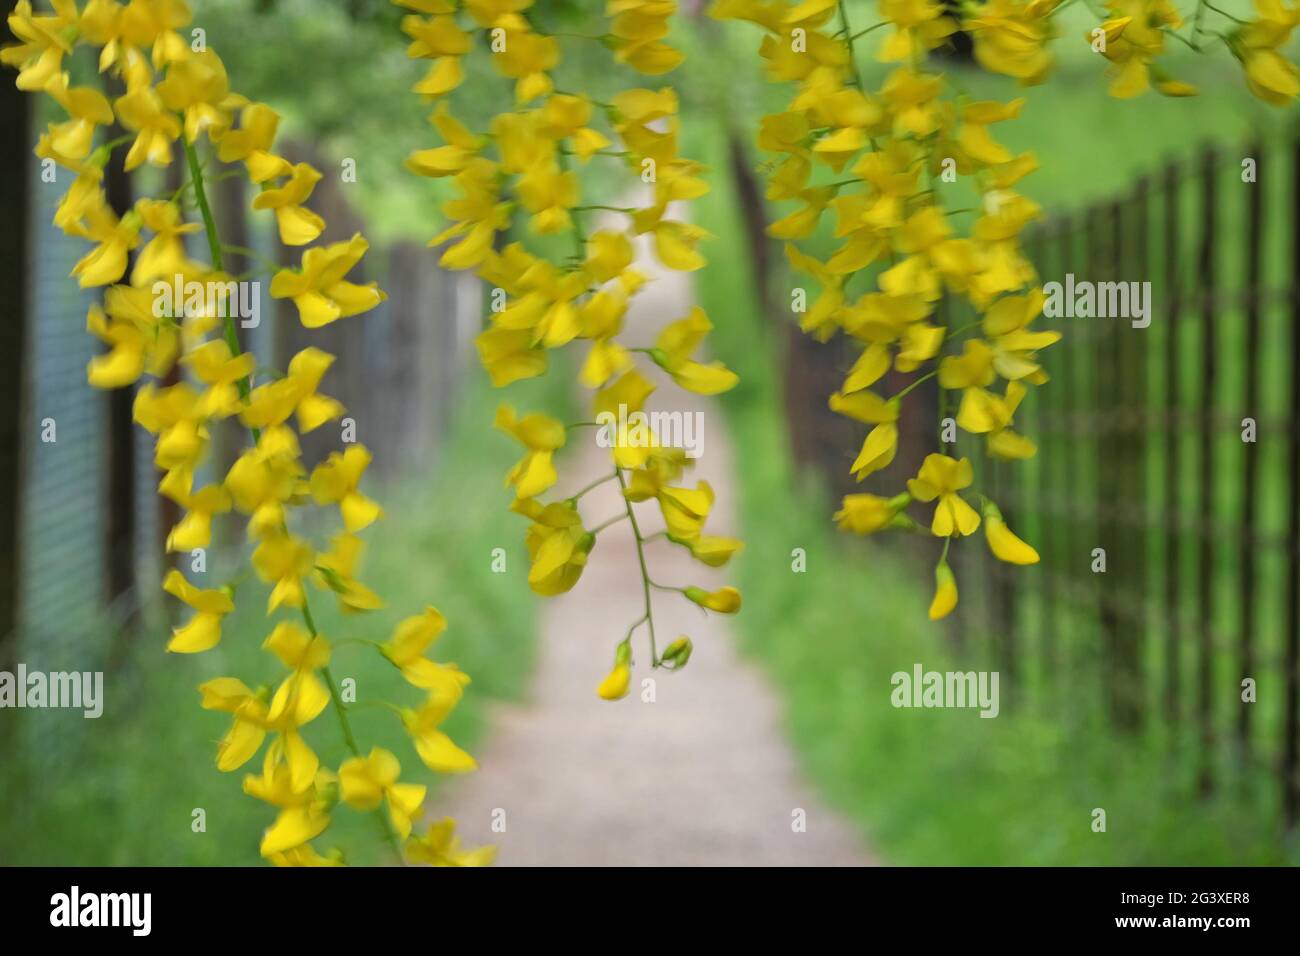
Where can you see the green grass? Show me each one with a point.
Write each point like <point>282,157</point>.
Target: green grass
<point>929,786</point>
<point>121,789</point>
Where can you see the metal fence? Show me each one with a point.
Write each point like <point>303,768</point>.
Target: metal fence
<point>398,373</point>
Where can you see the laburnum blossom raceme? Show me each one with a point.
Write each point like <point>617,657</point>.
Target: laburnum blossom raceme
<point>521,175</point>
<point>872,161</point>
<point>184,360</point>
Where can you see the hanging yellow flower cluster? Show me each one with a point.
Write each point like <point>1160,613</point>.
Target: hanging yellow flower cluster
<point>521,168</point>
<point>888,149</point>
<point>177,90</point>
<point>1011,37</point>
<point>895,144</point>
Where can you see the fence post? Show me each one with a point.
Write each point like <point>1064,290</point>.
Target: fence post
<point>1068,445</point>
<point>1250,478</point>
<point>1291,652</point>
<point>1173,607</point>
<point>1110,468</point>
<point>1136,423</point>
<point>1205,476</point>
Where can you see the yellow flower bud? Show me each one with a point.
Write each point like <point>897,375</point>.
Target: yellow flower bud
<point>1002,542</point>
<point>678,653</point>
<point>725,601</point>
<point>945,592</point>
<point>615,684</point>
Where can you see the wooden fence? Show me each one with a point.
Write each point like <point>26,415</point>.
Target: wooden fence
<point>1174,449</point>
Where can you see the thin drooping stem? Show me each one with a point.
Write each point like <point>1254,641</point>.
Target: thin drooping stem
<point>645,571</point>
<point>214,250</point>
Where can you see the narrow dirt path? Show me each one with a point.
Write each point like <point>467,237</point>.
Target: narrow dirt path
<point>701,776</point>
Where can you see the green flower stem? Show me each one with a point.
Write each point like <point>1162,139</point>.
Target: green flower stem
<point>605,524</point>
<point>214,249</point>
<point>924,378</point>
<point>645,571</point>
<point>849,37</point>
<point>385,824</point>
<point>591,487</point>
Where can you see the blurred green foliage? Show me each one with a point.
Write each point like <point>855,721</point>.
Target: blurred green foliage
<point>125,790</point>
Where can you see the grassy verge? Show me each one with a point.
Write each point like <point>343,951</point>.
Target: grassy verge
<point>927,786</point>
<point>123,789</point>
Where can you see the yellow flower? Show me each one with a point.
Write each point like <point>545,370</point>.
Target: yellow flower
<point>251,144</point>
<point>336,569</point>
<point>300,797</point>
<point>1005,545</point>
<point>864,406</point>
<point>366,781</point>
<point>203,630</point>
<point>866,514</point>
<point>878,450</point>
<point>114,238</point>
<point>911,98</point>
<point>725,601</point>
<point>43,41</point>
<point>247,730</point>
<point>1011,37</point>
<point>195,529</point>
<point>945,591</point>
<point>557,543</point>
<point>714,551</point>
<point>284,560</point>
<point>319,289</point>
<point>1135,37</point>
<point>139,341</point>
<point>615,684</point>
<point>509,355</point>
<point>335,481</point>
<point>440,847</point>
<point>685,510</point>
<point>196,86</point>
<point>436,38</point>
<point>405,650</point>
<point>435,748</point>
<point>1269,75</point>
<point>302,695</point>
<point>86,108</point>
<point>942,477</point>
<point>984,413</point>
<point>298,225</point>
<point>296,393</point>
<point>526,57</point>
<point>164,255</point>
<point>542,436</point>
<point>156,127</point>
<point>639,27</point>
<point>259,487</point>
<point>214,366</point>
<point>919,26</point>
<point>674,241</point>
<point>673,351</point>
<point>305,855</point>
